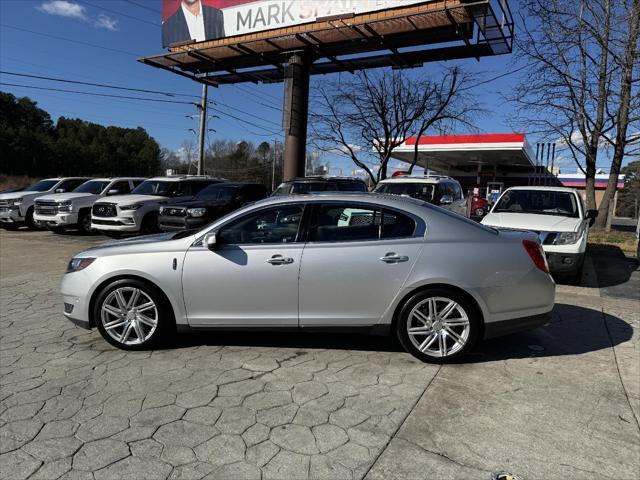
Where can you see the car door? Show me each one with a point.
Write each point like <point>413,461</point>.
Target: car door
<point>251,279</point>
<point>355,262</point>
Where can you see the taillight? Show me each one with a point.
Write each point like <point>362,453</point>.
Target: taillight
<point>535,251</point>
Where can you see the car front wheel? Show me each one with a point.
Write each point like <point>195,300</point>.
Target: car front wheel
<point>437,325</point>
<point>132,315</point>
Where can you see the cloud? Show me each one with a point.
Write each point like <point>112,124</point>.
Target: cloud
<point>104,21</point>
<point>62,8</point>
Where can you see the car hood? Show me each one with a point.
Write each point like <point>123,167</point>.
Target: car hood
<point>63,197</point>
<point>141,243</point>
<point>14,195</point>
<point>531,221</point>
<point>131,199</point>
<point>196,203</point>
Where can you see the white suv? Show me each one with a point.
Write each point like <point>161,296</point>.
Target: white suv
<point>556,214</point>
<point>16,208</point>
<point>437,190</point>
<point>138,211</point>
<point>62,210</point>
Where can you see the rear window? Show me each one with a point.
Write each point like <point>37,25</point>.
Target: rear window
<point>420,191</point>
<point>352,187</point>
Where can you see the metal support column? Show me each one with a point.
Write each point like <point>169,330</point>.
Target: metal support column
<point>295,112</point>
<point>203,128</point>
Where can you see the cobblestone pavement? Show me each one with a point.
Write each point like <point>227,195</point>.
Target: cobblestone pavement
<point>291,406</point>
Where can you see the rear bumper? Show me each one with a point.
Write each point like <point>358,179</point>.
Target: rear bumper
<point>170,223</point>
<point>506,327</point>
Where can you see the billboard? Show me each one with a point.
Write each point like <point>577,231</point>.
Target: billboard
<point>184,20</point>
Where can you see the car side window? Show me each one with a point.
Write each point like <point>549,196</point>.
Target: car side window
<point>274,225</point>
<point>344,223</point>
<point>457,191</point>
<point>70,185</point>
<point>136,183</point>
<point>192,188</point>
<point>440,192</point>
<point>122,186</point>
<point>397,225</point>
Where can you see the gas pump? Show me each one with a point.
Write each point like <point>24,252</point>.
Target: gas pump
<point>494,190</point>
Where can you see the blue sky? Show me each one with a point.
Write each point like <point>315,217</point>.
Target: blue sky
<point>108,23</point>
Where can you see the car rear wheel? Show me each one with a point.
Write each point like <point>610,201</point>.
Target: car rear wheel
<point>84,223</point>
<point>437,325</point>
<point>132,315</point>
<point>31,223</point>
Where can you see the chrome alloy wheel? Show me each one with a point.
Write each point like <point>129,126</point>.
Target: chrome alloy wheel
<point>129,315</point>
<point>438,327</point>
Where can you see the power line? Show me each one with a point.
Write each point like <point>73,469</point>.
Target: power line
<point>79,42</point>
<point>34,87</point>
<point>142,6</point>
<point>217,102</point>
<point>101,85</point>
<point>119,13</point>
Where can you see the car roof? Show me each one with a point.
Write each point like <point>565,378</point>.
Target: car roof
<point>112,179</point>
<point>180,178</point>
<point>407,179</point>
<point>324,179</point>
<point>549,189</point>
<point>376,198</point>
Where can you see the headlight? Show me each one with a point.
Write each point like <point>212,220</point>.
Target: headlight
<point>135,206</point>
<point>566,238</point>
<point>65,206</point>
<point>14,201</point>
<point>79,263</point>
<point>196,212</point>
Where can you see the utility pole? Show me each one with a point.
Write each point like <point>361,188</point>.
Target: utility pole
<point>203,128</point>
<point>273,166</point>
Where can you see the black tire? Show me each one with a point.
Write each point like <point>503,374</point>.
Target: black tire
<point>150,224</point>
<point>162,313</point>
<point>57,230</point>
<point>30,222</point>
<point>84,222</point>
<point>470,332</point>
<point>11,227</point>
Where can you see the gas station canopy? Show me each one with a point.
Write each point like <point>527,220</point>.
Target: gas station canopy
<point>495,153</point>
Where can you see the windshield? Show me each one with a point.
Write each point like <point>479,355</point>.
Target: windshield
<point>157,187</point>
<point>94,187</point>
<point>308,187</point>
<point>421,191</point>
<point>217,192</point>
<point>41,186</point>
<point>541,202</point>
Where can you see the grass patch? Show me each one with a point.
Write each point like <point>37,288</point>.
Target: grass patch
<point>625,241</point>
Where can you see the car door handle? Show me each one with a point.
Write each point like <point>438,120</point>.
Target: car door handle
<point>280,260</point>
<point>392,257</point>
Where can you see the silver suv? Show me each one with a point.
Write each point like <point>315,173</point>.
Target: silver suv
<point>442,191</point>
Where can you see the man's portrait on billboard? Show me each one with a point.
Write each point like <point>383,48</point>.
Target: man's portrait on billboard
<point>191,20</point>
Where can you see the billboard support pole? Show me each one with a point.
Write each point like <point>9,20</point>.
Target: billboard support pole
<point>203,127</point>
<point>295,114</point>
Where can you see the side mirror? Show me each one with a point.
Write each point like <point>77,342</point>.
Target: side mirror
<point>446,200</point>
<point>591,216</point>
<point>60,190</point>
<point>113,192</point>
<point>210,241</point>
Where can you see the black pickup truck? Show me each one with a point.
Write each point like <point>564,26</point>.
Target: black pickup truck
<point>208,205</point>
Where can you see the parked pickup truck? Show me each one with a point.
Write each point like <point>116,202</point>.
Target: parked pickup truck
<point>60,211</point>
<point>17,209</point>
<point>138,211</point>
<point>556,214</point>
<point>210,204</point>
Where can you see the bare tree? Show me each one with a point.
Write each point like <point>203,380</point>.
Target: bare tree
<point>188,148</point>
<point>625,56</point>
<point>369,115</point>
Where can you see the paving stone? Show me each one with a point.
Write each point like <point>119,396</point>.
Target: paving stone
<point>98,454</point>
<point>146,448</point>
<point>21,412</point>
<point>15,434</point>
<point>262,453</point>
<point>183,433</point>
<point>278,415</point>
<point>347,417</point>
<point>351,455</point>
<point>261,365</point>
<point>198,397</point>
<point>158,416</point>
<point>135,467</point>
<point>241,388</point>
<point>203,415</point>
<point>51,449</point>
<point>102,426</point>
<point>177,455</point>
<point>221,450</point>
<point>266,400</point>
<point>287,465</point>
<point>192,471</point>
<point>236,420</point>
<point>324,468</point>
<point>57,429</point>
<point>329,437</point>
<point>240,470</point>
<point>52,470</point>
<point>311,417</point>
<point>294,438</point>
<point>18,465</point>
<point>305,391</point>
<point>255,434</point>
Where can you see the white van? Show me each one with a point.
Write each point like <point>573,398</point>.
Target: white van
<point>556,214</point>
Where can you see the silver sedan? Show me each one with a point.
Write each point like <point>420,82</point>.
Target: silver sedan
<point>383,264</point>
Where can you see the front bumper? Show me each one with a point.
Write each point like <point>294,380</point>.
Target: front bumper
<point>506,327</point>
<point>75,297</point>
<point>170,223</point>
<point>11,216</point>
<point>115,224</point>
<point>564,263</point>
<point>58,220</point>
